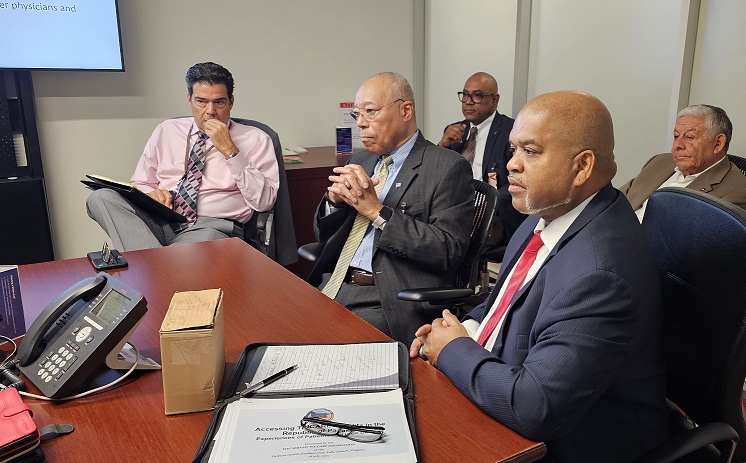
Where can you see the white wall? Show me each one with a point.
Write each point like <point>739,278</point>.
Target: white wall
<point>462,38</point>
<point>631,54</point>
<point>292,61</point>
<point>719,71</point>
<point>624,53</point>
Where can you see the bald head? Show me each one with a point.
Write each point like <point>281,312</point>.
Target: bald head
<point>485,81</point>
<point>563,153</point>
<point>387,117</point>
<point>582,122</point>
<point>482,87</point>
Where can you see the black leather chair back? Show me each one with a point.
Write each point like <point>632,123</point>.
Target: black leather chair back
<point>739,162</point>
<point>485,201</point>
<point>700,246</point>
<point>273,233</point>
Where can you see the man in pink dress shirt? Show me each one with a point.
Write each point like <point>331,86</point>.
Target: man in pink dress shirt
<point>240,174</point>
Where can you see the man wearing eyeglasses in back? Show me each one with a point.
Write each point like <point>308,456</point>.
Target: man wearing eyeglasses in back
<point>397,216</point>
<point>213,171</point>
<point>482,138</point>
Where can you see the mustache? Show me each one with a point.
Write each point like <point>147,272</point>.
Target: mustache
<point>517,180</point>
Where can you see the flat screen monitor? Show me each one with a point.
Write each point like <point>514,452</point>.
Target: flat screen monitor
<point>60,34</point>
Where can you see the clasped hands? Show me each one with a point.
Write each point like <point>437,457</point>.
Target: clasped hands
<point>352,185</point>
<point>431,339</point>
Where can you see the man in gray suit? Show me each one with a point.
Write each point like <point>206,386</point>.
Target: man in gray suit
<point>697,160</point>
<point>412,233</point>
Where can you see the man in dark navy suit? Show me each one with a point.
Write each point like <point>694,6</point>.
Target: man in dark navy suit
<point>489,149</point>
<point>566,349</point>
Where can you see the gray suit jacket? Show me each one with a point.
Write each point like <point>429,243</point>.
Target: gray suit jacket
<point>724,180</point>
<point>424,242</point>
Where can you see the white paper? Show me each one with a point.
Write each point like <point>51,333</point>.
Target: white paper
<point>331,367</point>
<point>269,430</point>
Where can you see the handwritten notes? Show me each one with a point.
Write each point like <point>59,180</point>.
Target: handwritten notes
<point>330,367</point>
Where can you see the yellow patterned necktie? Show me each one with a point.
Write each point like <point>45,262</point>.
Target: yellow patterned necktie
<point>357,233</point>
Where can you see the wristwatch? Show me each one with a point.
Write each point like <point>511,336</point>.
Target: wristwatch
<point>232,155</point>
<point>384,215</point>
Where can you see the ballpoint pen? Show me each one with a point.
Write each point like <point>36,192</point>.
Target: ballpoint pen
<point>256,386</point>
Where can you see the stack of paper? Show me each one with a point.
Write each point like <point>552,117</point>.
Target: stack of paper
<point>269,430</point>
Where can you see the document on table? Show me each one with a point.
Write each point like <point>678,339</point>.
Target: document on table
<point>269,430</point>
<point>326,368</point>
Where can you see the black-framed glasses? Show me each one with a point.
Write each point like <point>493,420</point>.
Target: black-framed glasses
<point>318,421</point>
<point>476,97</point>
<point>370,114</point>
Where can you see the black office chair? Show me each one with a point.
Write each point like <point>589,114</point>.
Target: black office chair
<point>272,231</point>
<point>739,162</point>
<point>485,202</point>
<point>700,246</point>
<point>278,243</point>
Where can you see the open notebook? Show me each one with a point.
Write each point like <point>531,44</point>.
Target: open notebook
<point>135,196</point>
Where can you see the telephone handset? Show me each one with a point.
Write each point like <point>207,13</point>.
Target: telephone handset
<point>39,334</point>
<point>78,333</point>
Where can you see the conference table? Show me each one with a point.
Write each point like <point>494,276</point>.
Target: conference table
<point>263,302</point>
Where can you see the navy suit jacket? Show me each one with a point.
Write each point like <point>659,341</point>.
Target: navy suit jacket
<point>497,154</point>
<point>578,361</point>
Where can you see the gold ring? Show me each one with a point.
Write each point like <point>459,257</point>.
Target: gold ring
<point>347,184</point>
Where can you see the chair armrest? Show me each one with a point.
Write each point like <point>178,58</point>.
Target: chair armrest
<point>435,295</point>
<point>692,440</point>
<point>261,220</point>
<point>264,226</point>
<point>310,251</point>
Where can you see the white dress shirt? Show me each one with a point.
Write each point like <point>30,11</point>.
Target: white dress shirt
<point>550,236</point>
<point>483,131</point>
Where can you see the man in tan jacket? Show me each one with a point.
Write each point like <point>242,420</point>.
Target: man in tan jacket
<point>698,161</point>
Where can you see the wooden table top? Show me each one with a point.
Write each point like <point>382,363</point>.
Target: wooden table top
<point>263,302</point>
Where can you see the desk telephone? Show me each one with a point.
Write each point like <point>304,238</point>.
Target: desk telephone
<point>79,334</point>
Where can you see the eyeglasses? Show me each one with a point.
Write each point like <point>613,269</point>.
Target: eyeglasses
<point>324,427</point>
<point>476,97</point>
<point>370,114</point>
<point>220,103</point>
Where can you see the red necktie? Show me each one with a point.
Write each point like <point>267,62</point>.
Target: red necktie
<point>516,280</point>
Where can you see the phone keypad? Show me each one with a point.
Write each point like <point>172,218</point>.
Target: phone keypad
<point>56,363</point>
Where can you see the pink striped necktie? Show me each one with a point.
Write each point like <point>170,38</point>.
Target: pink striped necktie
<point>185,199</point>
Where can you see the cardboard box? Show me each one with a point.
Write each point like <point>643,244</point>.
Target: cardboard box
<point>192,351</point>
